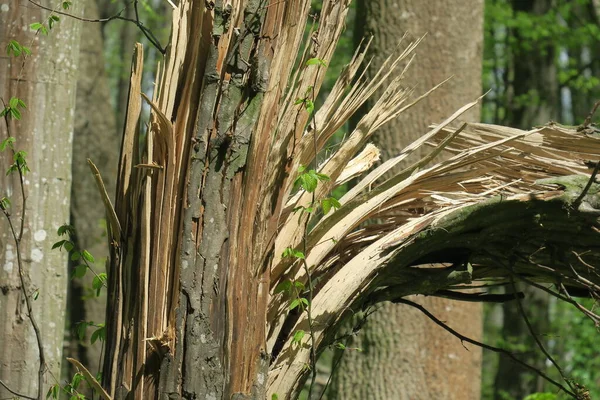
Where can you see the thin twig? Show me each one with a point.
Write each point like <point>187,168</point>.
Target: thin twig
<point>15,392</point>
<point>535,336</point>
<point>147,32</point>
<point>36,329</point>
<point>587,187</point>
<point>588,119</point>
<point>17,240</point>
<point>483,345</point>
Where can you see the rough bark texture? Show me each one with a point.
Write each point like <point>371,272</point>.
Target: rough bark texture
<point>96,137</point>
<point>46,83</point>
<point>405,355</point>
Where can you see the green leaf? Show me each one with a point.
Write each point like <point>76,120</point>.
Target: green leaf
<point>274,396</point>
<point>66,5</point>
<point>8,142</point>
<point>299,101</point>
<point>79,271</point>
<point>36,26</point>
<point>322,177</point>
<point>87,256</point>
<point>284,286</point>
<point>309,105</point>
<point>81,327</point>
<point>77,379</point>
<point>36,294</point>
<point>53,391</point>
<point>58,244</point>
<point>299,285</point>
<point>308,181</point>
<point>99,333</point>
<point>15,113</point>
<point>298,335</point>
<point>340,346</point>
<point>316,61</point>
<point>75,256</point>
<point>98,282</point>
<point>328,203</point>
<point>69,246</point>
<point>293,304</point>
<point>4,203</point>
<point>65,229</point>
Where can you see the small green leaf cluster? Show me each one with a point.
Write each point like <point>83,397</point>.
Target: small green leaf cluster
<point>4,203</point>
<point>98,334</point>
<point>42,28</point>
<point>70,389</point>
<point>84,257</point>
<point>309,180</point>
<point>309,105</point>
<point>307,100</point>
<point>15,49</point>
<point>13,110</point>
<point>20,163</point>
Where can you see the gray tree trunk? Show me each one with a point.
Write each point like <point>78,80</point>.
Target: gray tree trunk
<point>405,355</point>
<point>46,82</point>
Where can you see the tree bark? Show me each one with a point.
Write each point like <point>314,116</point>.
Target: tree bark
<point>404,354</point>
<point>46,82</point>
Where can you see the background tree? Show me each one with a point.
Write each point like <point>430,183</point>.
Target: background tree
<point>45,133</point>
<point>401,347</point>
<point>96,136</point>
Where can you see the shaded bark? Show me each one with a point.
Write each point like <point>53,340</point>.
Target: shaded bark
<point>405,356</point>
<point>45,132</point>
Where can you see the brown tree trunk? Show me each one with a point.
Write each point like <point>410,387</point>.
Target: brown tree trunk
<point>405,355</point>
<point>45,132</point>
<point>96,137</point>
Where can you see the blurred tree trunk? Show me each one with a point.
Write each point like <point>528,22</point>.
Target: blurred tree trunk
<point>534,93</point>
<point>97,138</point>
<point>533,99</point>
<point>45,132</point>
<point>405,355</point>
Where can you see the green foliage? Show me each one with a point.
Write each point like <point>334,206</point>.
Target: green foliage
<point>298,336</point>
<point>309,180</point>
<point>316,61</point>
<point>328,203</point>
<point>20,163</point>
<point>15,49</point>
<point>289,252</point>
<point>12,111</point>
<point>4,203</point>
<point>567,34</point>
<point>86,258</point>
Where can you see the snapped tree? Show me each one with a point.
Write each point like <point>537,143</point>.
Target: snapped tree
<point>231,264</point>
